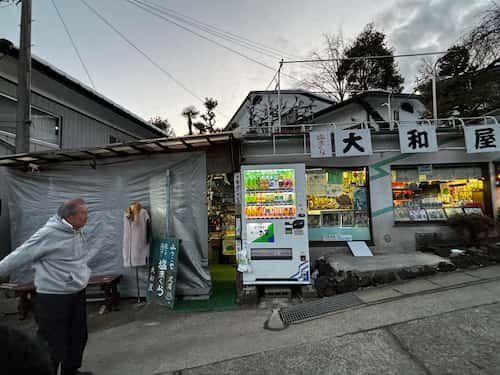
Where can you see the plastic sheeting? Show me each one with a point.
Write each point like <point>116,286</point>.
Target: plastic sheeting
<point>171,186</point>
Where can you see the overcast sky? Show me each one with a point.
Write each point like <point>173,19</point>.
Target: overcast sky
<point>294,27</point>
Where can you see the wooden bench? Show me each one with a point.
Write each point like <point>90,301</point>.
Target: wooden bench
<point>26,292</point>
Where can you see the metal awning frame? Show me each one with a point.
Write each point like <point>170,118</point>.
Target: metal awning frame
<point>142,147</point>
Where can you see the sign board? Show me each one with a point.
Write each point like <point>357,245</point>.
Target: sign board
<point>417,138</point>
<point>260,232</point>
<point>425,169</point>
<point>424,172</point>
<point>482,138</point>
<point>359,249</point>
<point>229,246</point>
<point>320,143</point>
<point>163,271</point>
<point>353,142</point>
<point>237,189</point>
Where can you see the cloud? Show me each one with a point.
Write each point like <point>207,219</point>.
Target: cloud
<point>415,26</point>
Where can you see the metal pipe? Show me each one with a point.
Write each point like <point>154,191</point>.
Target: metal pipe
<point>449,120</point>
<point>493,187</point>
<point>434,93</point>
<point>279,95</point>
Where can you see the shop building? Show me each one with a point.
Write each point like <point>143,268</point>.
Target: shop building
<point>391,193</point>
<point>362,183</point>
<point>388,197</point>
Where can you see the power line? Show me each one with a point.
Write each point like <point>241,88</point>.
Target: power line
<point>275,51</point>
<point>366,57</point>
<point>212,31</point>
<point>144,54</point>
<point>73,44</point>
<point>144,8</point>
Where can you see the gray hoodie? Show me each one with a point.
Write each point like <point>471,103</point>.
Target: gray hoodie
<point>59,257</point>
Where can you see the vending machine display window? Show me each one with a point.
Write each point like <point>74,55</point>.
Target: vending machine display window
<point>270,194</point>
<point>337,199</point>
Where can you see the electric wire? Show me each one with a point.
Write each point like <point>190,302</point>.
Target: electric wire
<point>163,14</point>
<point>366,57</point>
<point>140,51</point>
<point>208,29</point>
<point>73,44</point>
<point>136,4</point>
<point>276,52</point>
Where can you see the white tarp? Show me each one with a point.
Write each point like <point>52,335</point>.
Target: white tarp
<point>161,183</point>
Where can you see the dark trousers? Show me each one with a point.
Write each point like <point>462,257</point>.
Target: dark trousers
<point>62,323</point>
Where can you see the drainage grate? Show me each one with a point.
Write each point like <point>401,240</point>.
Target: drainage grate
<point>311,310</point>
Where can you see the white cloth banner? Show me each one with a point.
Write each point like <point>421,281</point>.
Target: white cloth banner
<point>416,138</point>
<point>353,142</point>
<point>482,138</point>
<point>320,143</point>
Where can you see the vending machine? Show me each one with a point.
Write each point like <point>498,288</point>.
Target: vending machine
<point>274,224</point>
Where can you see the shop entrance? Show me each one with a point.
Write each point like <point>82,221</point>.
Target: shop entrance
<point>221,246</point>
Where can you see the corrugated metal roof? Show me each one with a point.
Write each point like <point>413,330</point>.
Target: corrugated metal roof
<point>147,146</point>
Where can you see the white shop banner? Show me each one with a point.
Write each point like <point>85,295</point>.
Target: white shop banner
<point>353,142</point>
<point>320,143</point>
<point>482,138</point>
<point>237,189</point>
<point>416,138</point>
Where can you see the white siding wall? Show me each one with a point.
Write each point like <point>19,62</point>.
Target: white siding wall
<point>350,113</point>
<point>379,104</point>
<point>356,113</point>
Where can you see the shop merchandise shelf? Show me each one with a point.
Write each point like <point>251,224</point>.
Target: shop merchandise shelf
<point>270,190</point>
<point>271,204</point>
<point>333,210</point>
<point>314,212</point>
<point>270,217</point>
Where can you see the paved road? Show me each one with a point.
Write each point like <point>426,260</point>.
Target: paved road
<point>461,342</point>
<point>447,324</point>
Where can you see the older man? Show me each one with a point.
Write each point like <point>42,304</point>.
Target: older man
<point>59,257</point>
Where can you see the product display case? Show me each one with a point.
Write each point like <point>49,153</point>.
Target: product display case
<point>435,200</point>
<point>337,202</point>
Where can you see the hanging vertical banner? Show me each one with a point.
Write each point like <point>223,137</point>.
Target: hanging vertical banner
<point>163,271</point>
<point>237,189</point>
<point>416,138</point>
<point>482,138</point>
<point>353,142</point>
<point>320,143</point>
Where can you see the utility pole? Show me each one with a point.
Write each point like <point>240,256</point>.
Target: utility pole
<point>434,93</point>
<point>23,115</point>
